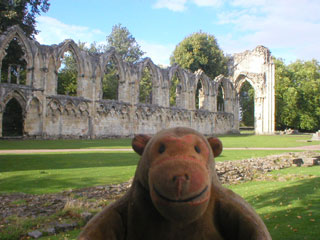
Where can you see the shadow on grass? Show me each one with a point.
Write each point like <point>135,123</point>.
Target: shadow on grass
<point>24,162</point>
<point>293,212</point>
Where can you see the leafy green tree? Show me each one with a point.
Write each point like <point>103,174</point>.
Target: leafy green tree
<point>200,51</point>
<point>124,43</point>
<point>297,95</point>
<point>129,50</point>
<point>22,13</point>
<point>247,104</point>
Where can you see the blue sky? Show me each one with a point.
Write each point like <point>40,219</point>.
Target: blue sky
<point>289,28</point>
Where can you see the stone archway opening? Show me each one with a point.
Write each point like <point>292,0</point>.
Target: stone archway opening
<point>199,96</point>
<point>110,81</point>
<point>174,90</point>
<point>246,101</point>
<point>68,74</point>
<point>14,65</point>
<point>145,86</point>
<point>12,120</point>
<point>220,99</point>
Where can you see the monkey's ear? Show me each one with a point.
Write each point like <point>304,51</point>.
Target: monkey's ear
<point>216,146</point>
<point>139,142</point>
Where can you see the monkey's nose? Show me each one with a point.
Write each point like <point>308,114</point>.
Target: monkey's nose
<point>181,183</point>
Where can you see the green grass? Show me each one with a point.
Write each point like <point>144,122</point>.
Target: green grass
<point>54,172</point>
<point>267,141</point>
<point>65,144</point>
<point>66,235</point>
<point>289,203</point>
<point>243,140</point>
<point>48,173</point>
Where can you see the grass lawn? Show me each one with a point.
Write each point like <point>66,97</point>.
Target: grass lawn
<point>289,203</point>
<point>243,140</point>
<point>55,172</point>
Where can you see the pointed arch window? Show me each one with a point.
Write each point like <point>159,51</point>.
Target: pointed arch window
<point>199,97</point>
<point>68,74</point>
<point>110,81</point>
<point>246,105</point>
<point>145,86</point>
<point>14,65</point>
<point>220,99</point>
<point>174,90</point>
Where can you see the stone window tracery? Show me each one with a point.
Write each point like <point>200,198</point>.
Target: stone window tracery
<point>14,65</point>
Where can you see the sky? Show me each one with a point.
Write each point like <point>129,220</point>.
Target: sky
<point>289,28</point>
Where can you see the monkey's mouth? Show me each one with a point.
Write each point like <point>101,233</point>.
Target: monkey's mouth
<point>189,199</point>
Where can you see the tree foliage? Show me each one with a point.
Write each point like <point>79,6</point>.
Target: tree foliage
<point>124,43</point>
<point>22,13</point>
<point>200,51</point>
<point>297,95</point>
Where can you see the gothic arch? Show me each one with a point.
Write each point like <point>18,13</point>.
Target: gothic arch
<point>12,123</point>
<point>116,60</point>
<point>112,56</point>
<point>179,71</point>
<point>156,83</point>
<point>16,33</point>
<point>241,79</point>
<point>18,96</point>
<point>70,45</point>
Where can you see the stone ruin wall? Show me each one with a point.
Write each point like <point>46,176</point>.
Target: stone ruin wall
<point>49,115</point>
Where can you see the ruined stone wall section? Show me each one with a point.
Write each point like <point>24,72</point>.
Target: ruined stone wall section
<point>49,115</point>
<point>258,69</point>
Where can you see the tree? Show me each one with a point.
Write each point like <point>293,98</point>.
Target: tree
<point>22,13</point>
<point>297,95</point>
<point>124,43</point>
<point>200,51</point>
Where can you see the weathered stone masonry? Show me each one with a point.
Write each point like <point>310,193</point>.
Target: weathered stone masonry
<point>49,115</point>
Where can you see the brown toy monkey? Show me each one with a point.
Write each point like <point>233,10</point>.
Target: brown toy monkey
<point>176,195</point>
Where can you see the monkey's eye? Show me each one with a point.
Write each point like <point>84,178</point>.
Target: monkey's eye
<point>162,148</point>
<point>197,149</point>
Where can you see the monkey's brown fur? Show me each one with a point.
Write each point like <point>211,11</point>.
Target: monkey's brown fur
<point>176,195</point>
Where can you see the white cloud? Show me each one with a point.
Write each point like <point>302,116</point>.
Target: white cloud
<point>53,31</point>
<point>159,53</point>
<point>208,3</point>
<point>173,5</point>
<point>291,29</point>
<point>180,5</point>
